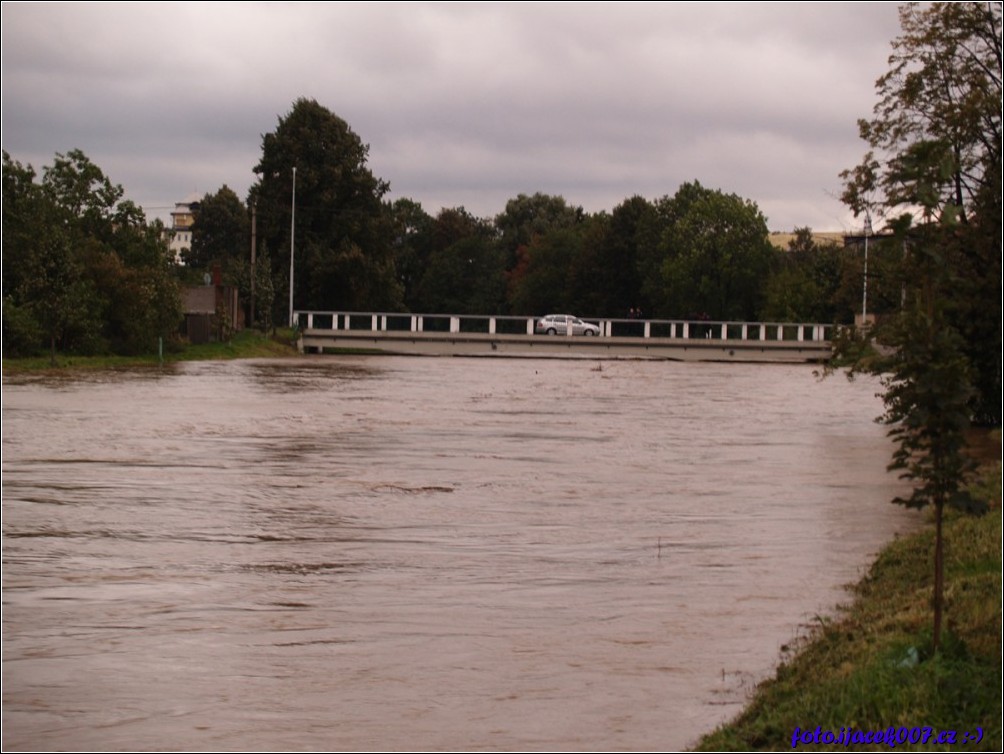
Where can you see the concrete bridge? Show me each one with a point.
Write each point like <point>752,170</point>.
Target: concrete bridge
<point>470,335</point>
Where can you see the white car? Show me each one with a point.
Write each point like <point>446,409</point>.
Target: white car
<point>557,324</point>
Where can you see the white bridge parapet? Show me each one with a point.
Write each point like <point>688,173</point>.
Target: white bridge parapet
<point>514,336</point>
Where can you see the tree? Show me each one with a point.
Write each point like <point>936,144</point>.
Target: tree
<point>717,255</point>
<point>528,217</point>
<point>546,285</point>
<point>43,278</point>
<point>343,235</point>
<point>80,187</point>
<point>221,231</point>
<point>466,277</point>
<point>927,391</point>
<point>937,125</point>
<point>806,283</point>
<point>464,271</point>
<point>935,153</point>
<point>619,259</point>
<point>82,268</point>
<point>411,241</point>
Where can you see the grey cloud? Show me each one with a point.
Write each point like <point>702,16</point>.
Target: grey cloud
<point>461,104</point>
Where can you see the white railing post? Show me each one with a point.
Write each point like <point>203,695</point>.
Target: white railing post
<point>529,326</point>
<point>686,331</point>
<point>491,325</point>
<point>310,320</point>
<point>648,329</point>
<point>383,323</point>
<point>373,322</point>
<point>725,331</point>
<point>746,331</point>
<point>454,324</point>
<point>421,324</point>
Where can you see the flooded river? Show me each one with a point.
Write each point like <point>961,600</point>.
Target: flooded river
<point>389,553</point>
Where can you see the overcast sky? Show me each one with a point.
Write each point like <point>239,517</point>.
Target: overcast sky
<point>462,104</point>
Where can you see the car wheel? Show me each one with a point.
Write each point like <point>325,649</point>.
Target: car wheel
<point>551,331</point>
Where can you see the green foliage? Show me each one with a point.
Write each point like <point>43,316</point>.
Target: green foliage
<point>80,188</point>
<point>343,244</point>
<point>938,118</point>
<point>935,152</point>
<point>264,292</point>
<point>926,375</point>
<point>466,277</point>
<point>717,255</point>
<point>806,284</point>
<point>528,217</point>
<point>221,232</point>
<point>927,392</point>
<point>699,252</point>
<point>411,230</point>
<point>545,283</point>
<point>83,271</point>
<point>936,130</point>
<point>610,281</point>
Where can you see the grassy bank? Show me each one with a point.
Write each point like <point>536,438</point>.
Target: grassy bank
<point>869,667</point>
<point>244,345</point>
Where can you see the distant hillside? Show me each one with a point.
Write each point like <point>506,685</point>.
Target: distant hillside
<point>780,240</point>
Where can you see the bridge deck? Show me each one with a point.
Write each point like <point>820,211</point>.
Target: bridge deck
<point>688,341</point>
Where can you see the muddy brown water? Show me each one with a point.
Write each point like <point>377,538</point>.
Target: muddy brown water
<point>370,553</point>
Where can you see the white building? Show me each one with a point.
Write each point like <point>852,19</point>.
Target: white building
<point>182,219</point>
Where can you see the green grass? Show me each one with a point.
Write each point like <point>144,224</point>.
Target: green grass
<point>870,667</point>
<point>243,345</point>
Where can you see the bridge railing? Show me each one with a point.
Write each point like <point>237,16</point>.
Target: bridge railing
<point>680,329</point>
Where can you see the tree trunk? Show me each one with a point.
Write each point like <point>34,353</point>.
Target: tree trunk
<point>939,574</point>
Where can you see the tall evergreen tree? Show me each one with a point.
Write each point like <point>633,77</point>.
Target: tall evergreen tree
<point>344,256</point>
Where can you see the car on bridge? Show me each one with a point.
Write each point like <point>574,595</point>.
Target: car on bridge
<point>558,324</point>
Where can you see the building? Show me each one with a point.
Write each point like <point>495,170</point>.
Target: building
<point>182,220</point>
<point>212,311</point>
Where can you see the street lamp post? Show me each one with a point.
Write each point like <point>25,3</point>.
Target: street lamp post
<point>292,248</point>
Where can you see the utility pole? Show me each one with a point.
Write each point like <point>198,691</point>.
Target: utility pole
<point>292,248</point>
<point>864,297</point>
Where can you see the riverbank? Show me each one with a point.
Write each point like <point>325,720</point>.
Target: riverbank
<point>866,669</point>
<point>246,344</point>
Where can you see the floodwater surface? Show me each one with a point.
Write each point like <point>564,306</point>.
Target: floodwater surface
<point>390,553</point>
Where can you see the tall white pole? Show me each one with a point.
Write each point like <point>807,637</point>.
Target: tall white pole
<point>864,297</point>
<point>292,248</point>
